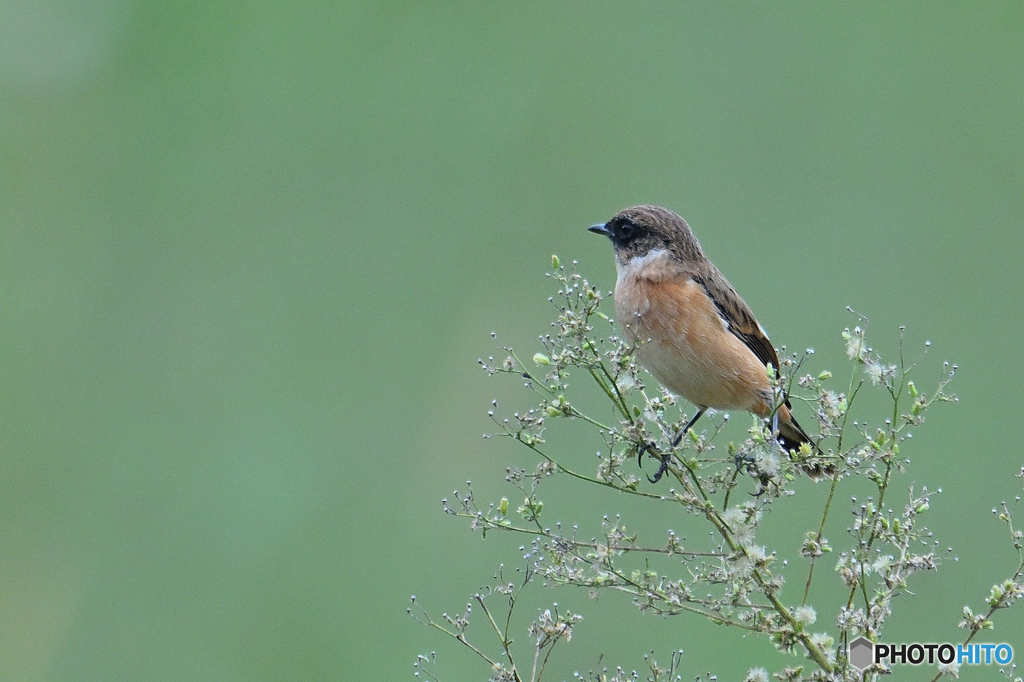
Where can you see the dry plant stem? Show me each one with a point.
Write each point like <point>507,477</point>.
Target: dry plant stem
<point>713,516</point>
<point>639,590</point>
<point>538,532</point>
<point>693,485</point>
<point>588,479</point>
<point>998,605</point>
<point>883,487</point>
<point>1001,603</point>
<point>852,392</point>
<point>461,637</point>
<point>728,491</point>
<point>744,586</point>
<point>574,411</point>
<point>506,643</point>
<point>821,532</point>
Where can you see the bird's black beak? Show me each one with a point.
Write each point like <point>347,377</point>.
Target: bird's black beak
<point>601,228</point>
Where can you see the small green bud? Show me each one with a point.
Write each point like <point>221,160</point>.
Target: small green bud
<point>693,436</point>
<point>912,388</point>
<point>555,263</point>
<point>825,375</point>
<point>503,506</point>
<point>541,359</point>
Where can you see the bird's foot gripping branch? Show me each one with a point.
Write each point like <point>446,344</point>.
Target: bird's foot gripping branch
<point>711,563</point>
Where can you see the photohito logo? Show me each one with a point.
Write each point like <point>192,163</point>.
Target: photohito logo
<point>863,653</point>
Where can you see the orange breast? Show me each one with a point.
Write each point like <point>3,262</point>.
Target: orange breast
<point>686,345</point>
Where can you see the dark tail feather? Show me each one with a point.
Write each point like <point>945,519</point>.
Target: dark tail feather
<point>792,436</point>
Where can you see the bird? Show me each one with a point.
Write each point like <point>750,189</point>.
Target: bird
<point>690,328</point>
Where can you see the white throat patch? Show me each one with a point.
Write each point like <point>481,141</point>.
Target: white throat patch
<point>638,263</point>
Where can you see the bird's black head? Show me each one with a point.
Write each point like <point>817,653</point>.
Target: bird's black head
<point>637,231</point>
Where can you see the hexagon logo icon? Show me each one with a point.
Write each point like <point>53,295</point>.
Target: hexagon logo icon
<point>861,653</point>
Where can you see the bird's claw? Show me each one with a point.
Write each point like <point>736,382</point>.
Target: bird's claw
<point>649,449</point>
<point>661,470</point>
<point>641,451</point>
<point>743,462</point>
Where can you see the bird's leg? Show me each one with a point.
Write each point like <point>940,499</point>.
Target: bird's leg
<point>675,443</point>
<point>679,436</point>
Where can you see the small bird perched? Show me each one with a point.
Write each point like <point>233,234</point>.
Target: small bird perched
<point>692,330</point>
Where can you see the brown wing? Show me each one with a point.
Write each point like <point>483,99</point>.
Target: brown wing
<point>737,315</point>
<point>740,321</point>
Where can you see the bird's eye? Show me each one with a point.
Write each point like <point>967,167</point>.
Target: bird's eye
<point>625,230</point>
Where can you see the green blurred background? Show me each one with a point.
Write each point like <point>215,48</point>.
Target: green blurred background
<point>250,253</point>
